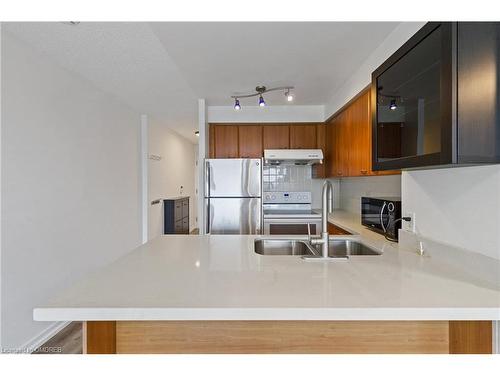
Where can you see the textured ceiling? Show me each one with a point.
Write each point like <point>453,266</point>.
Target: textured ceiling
<point>163,68</point>
<point>124,59</point>
<point>221,59</point>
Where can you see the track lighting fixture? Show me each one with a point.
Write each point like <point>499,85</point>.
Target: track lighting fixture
<point>393,97</point>
<point>261,90</point>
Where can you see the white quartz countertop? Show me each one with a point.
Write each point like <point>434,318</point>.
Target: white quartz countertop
<point>179,277</point>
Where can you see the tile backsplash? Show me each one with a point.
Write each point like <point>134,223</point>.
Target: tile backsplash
<point>287,178</point>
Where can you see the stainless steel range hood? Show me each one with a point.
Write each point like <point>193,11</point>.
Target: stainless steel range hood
<point>293,157</point>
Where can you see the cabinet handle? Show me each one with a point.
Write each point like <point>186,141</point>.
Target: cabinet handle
<point>339,173</point>
<point>364,171</point>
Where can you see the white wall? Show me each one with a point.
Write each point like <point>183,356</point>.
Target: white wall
<point>1,152</point>
<point>70,184</point>
<point>278,113</point>
<point>353,188</point>
<point>363,75</point>
<point>317,189</point>
<point>456,206</point>
<point>166,176</point>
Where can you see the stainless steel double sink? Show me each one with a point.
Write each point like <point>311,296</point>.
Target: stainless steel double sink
<point>337,248</point>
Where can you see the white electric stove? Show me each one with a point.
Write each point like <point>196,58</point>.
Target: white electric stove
<point>289,213</point>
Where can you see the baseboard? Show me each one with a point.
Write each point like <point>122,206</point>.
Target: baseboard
<point>44,336</point>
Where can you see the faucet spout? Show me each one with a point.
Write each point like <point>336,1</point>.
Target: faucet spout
<point>327,207</point>
<point>327,204</point>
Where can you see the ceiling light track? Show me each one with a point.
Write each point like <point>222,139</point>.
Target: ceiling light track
<point>259,90</point>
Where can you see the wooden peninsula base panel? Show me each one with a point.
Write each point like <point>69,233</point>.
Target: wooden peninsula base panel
<point>335,337</point>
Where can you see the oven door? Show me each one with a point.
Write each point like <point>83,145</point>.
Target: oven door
<point>291,226</point>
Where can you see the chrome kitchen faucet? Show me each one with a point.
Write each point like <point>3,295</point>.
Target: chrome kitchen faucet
<point>327,207</point>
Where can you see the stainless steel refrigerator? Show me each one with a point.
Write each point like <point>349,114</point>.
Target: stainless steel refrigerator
<point>233,196</point>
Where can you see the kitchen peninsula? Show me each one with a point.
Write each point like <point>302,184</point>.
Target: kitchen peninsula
<point>214,294</point>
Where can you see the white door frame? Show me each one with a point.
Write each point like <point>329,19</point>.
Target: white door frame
<point>202,154</point>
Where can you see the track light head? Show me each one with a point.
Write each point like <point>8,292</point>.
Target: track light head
<point>237,105</point>
<point>393,105</point>
<point>262,103</point>
<point>289,96</point>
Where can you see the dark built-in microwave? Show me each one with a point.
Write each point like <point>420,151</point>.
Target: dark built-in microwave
<point>381,215</point>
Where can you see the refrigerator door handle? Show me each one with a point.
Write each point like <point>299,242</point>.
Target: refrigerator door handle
<point>207,178</point>
<point>207,216</point>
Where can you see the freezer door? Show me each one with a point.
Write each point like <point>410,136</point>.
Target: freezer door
<point>233,177</point>
<point>233,215</point>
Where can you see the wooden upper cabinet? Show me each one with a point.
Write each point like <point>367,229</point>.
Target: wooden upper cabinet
<point>250,141</point>
<point>338,145</point>
<point>276,136</point>
<point>345,140</point>
<point>211,141</point>
<point>320,170</point>
<point>329,153</point>
<point>303,136</point>
<point>349,141</point>
<point>226,141</point>
<point>343,132</point>
<point>360,140</point>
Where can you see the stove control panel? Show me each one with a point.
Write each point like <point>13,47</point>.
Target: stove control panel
<point>287,197</point>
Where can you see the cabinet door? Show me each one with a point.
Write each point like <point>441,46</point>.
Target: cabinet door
<point>349,141</point>
<point>276,136</point>
<point>250,141</point>
<point>185,208</point>
<point>331,148</point>
<point>211,141</point>
<point>478,114</point>
<point>185,225</point>
<point>320,170</point>
<point>336,231</point>
<point>360,140</point>
<point>342,144</point>
<point>178,210</point>
<point>303,136</point>
<point>178,229</point>
<point>226,141</point>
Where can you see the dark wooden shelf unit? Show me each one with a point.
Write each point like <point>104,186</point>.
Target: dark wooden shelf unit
<point>176,215</point>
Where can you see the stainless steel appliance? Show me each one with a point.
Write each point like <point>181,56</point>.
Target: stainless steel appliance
<point>289,213</point>
<point>381,215</point>
<point>293,157</point>
<point>233,202</point>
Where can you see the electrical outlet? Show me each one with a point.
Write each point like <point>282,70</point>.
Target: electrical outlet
<point>410,226</point>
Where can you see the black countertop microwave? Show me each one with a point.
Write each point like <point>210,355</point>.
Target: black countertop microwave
<point>435,100</point>
<point>380,215</point>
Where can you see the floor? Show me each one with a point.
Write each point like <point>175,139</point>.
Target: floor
<point>67,341</point>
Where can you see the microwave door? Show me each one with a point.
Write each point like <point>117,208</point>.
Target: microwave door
<point>371,215</point>
<point>382,218</point>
